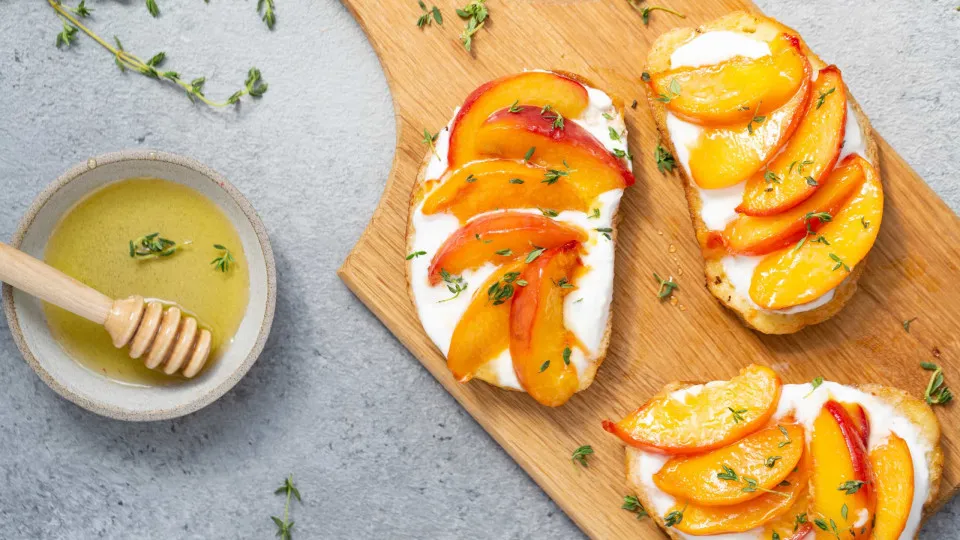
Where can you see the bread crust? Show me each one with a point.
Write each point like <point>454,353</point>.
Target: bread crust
<point>767,322</point>
<point>913,409</point>
<point>419,191</point>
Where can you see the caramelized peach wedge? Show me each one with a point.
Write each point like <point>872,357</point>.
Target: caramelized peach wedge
<point>539,342</point>
<point>893,473</point>
<point>499,237</point>
<point>734,91</point>
<point>529,90</point>
<point>766,458</point>
<point>503,184</point>
<point>715,416</point>
<point>808,156</point>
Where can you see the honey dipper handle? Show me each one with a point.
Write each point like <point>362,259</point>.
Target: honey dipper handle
<point>51,285</point>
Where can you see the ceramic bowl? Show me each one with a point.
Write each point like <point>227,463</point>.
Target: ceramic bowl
<point>107,397</point>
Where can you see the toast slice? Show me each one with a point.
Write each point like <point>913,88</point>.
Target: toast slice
<point>431,170</point>
<point>717,281</point>
<point>914,410</point>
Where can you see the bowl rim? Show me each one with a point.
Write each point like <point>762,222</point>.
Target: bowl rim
<point>195,403</point>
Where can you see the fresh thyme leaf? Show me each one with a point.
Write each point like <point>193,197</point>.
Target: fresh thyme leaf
<point>125,60</point>
<point>503,289</point>
<point>674,89</point>
<point>864,222</point>
<point>632,504</point>
<point>532,256</point>
<point>544,366</point>
<point>750,485</point>
<point>529,154</point>
<point>470,179</point>
<point>516,181</point>
<point>771,461</point>
<point>786,436</point>
<point>929,366</point>
<point>416,254</point>
<point>153,8</point>
<point>674,517</point>
<point>621,154</point>
<point>840,263</point>
<point>757,119</point>
<point>907,323</point>
<point>455,284</point>
<point>515,108</point>
<point>606,232</point>
<point>667,286</point>
<point>737,414</point>
<point>225,261</point>
<point>811,181</point>
<point>82,10</point>
<point>823,96</point>
<point>728,474</point>
<point>645,11</point>
<point>815,383</point>
<point>851,486</point>
<point>157,59</point>
<point>476,13</point>
<point>595,214</point>
<point>607,116</point>
<point>505,252</point>
<point>844,511</point>
<point>269,16</point>
<point>152,246</point>
<point>580,455</point>
<point>549,212</point>
<point>936,392</point>
<point>430,140</point>
<point>552,175</point>
<point>564,284</point>
<point>556,117</point>
<point>614,134</point>
<point>428,16</point>
<point>665,160</point>
<point>566,355</point>
<point>285,526</point>
<point>771,177</point>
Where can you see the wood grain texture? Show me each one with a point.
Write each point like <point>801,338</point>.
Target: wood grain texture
<point>912,271</point>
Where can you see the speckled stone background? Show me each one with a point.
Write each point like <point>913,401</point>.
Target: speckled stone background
<point>377,447</point>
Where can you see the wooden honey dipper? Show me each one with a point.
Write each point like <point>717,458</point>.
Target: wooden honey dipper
<point>170,340</point>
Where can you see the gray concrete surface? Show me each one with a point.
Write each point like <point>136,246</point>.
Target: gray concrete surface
<point>377,447</point>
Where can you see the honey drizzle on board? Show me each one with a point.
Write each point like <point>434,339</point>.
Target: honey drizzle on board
<point>91,244</point>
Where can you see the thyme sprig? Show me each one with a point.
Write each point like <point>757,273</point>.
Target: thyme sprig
<point>225,261</point>
<point>254,85</point>
<point>269,15</point>
<point>646,10</point>
<point>152,246</point>
<point>937,392</point>
<point>476,13</point>
<point>665,160</point>
<point>750,485</point>
<point>632,504</point>
<point>667,286</point>
<point>455,284</point>
<point>285,526</point>
<point>580,455</point>
<point>429,15</point>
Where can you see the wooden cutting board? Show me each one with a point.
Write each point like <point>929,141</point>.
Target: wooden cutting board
<point>912,271</point>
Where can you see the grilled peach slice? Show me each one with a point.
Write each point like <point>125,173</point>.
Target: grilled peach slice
<point>694,422</point>
<point>539,343</point>
<point>842,481</point>
<point>725,156</point>
<point>798,275</point>
<point>483,332</point>
<point>530,90</point>
<point>893,474</point>
<point>734,91</point>
<point>567,151</point>
<point>808,157</point>
<point>499,237</point>
<point>792,524</point>
<point>703,520</point>
<point>766,457</point>
<point>501,184</point>
<point>859,417</point>
<point>760,235</point>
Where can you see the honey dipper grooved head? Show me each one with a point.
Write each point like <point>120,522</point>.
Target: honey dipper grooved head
<point>169,339</point>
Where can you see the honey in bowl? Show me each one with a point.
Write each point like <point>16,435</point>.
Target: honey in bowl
<point>107,241</point>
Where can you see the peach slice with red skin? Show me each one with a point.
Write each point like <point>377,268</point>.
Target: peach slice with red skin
<point>842,481</point>
<point>704,520</point>
<point>499,237</point>
<point>730,92</point>
<point>893,474</point>
<point>715,416</point>
<point>800,274</point>
<point>725,156</point>
<point>539,342</point>
<point>808,156</point>
<point>766,457</point>
<point>501,184</point>
<point>483,333</point>
<point>751,235</point>
<point>530,90</point>
<point>571,150</point>
<point>859,417</point>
